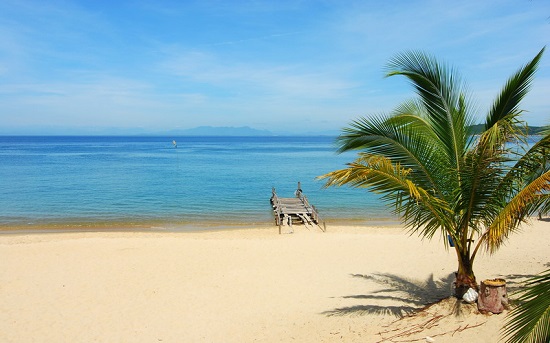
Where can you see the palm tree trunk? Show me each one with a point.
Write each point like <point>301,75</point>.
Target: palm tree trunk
<point>465,277</point>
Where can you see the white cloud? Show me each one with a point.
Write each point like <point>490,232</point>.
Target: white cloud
<point>291,80</point>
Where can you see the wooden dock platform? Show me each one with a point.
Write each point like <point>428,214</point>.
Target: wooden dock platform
<point>288,211</point>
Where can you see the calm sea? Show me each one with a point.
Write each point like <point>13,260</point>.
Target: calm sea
<point>146,182</point>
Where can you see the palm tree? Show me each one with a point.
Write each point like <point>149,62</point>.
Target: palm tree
<point>439,177</point>
<point>530,321</point>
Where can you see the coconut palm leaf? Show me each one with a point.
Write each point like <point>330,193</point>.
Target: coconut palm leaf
<point>513,92</point>
<point>542,206</point>
<point>530,321</point>
<point>534,161</point>
<point>479,177</point>
<point>420,209</point>
<point>521,192</point>
<point>403,138</point>
<point>443,96</point>
<point>515,212</point>
<point>488,161</point>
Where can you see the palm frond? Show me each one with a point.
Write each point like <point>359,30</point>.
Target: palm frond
<point>530,321</point>
<point>420,209</point>
<point>474,199</point>
<point>483,170</point>
<point>535,160</point>
<point>542,206</point>
<point>507,104</point>
<point>515,211</point>
<point>442,94</point>
<point>412,107</point>
<point>530,165</point>
<point>403,138</point>
<point>370,171</point>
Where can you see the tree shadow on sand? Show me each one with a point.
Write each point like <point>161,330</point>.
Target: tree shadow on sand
<point>405,296</point>
<point>516,282</point>
<point>515,285</point>
<point>410,295</point>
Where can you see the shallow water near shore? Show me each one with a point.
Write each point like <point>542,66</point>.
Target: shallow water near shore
<point>206,182</point>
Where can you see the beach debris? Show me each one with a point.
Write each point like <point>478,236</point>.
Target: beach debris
<point>428,323</point>
<point>470,296</point>
<point>430,339</point>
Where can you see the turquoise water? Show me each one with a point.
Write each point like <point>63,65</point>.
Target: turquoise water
<point>145,181</point>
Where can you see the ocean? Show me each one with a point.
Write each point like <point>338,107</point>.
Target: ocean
<point>74,182</point>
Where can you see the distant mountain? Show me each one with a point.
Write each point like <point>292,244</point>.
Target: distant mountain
<point>222,131</point>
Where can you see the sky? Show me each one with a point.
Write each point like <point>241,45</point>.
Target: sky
<point>77,67</point>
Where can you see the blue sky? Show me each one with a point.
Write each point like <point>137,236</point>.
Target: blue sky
<point>284,66</point>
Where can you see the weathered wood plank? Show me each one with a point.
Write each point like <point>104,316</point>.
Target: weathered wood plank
<point>297,208</point>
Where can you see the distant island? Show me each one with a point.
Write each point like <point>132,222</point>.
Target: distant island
<point>532,130</point>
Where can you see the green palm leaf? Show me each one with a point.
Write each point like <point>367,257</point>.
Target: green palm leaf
<point>515,212</point>
<point>530,321</point>
<point>420,209</point>
<point>513,92</point>
<point>442,94</point>
<point>403,138</point>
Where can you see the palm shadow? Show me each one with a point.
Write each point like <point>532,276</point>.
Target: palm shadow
<point>410,295</point>
<point>515,285</point>
<point>516,282</point>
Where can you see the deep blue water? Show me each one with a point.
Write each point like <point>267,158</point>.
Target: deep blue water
<point>145,180</point>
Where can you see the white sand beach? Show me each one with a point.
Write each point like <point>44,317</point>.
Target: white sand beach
<point>249,285</point>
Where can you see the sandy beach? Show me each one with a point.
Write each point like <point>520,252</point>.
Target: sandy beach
<point>350,284</point>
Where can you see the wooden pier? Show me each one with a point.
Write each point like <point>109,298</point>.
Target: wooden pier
<point>288,211</point>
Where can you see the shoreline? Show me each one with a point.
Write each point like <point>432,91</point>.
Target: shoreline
<point>350,284</point>
<point>164,226</point>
